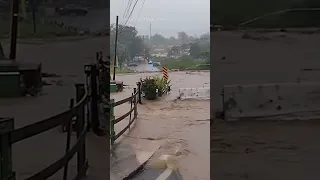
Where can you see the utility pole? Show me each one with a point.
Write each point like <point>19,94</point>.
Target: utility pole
<point>14,29</point>
<point>33,6</point>
<point>150,37</point>
<point>115,50</point>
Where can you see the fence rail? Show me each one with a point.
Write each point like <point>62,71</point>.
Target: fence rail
<point>9,136</point>
<point>134,99</point>
<point>87,99</point>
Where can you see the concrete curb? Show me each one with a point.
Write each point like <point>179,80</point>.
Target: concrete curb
<point>124,162</point>
<point>127,162</point>
<point>135,172</point>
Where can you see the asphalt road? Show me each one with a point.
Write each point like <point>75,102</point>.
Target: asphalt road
<point>158,174</point>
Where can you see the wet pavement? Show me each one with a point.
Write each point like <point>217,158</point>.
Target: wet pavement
<point>144,68</point>
<point>158,174</point>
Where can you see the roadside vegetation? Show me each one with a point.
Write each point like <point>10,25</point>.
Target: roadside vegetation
<point>185,63</point>
<point>154,87</point>
<point>121,70</point>
<point>43,30</point>
<point>232,13</point>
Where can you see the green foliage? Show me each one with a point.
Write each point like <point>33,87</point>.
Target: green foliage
<point>195,50</point>
<point>205,55</point>
<point>149,88</point>
<point>185,63</point>
<point>132,44</point>
<point>162,85</point>
<point>150,85</point>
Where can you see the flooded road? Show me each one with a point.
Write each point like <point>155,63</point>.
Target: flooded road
<point>144,68</point>
<point>180,127</point>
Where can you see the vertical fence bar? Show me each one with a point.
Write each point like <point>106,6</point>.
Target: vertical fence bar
<point>94,99</point>
<point>69,128</point>
<point>87,70</point>
<point>80,124</point>
<point>139,92</point>
<point>6,173</point>
<point>112,119</point>
<point>135,103</point>
<point>130,109</point>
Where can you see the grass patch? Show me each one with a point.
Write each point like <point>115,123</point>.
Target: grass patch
<point>185,64</point>
<point>43,30</point>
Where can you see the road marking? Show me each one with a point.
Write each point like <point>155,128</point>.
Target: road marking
<point>165,174</point>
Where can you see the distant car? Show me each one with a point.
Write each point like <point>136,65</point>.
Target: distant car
<point>72,10</point>
<point>132,65</point>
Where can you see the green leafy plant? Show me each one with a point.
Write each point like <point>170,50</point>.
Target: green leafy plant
<point>162,85</point>
<point>150,85</point>
<point>149,88</point>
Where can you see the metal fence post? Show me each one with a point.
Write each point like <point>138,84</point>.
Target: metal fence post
<point>130,110</point>
<point>139,92</point>
<point>112,119</point>
<point>80,124</point>
<point>87,70</point>
<point>6,173</point>
<point>135,103</point>
<point>94,99</point>
<point>69,130</point>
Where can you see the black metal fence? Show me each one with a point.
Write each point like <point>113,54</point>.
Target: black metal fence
<point>86,114</point>
<point>9,136</point>
<point>134,99</point>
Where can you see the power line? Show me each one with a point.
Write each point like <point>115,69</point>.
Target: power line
<point>128,17</point>
<point>139,13</point>
<point>131,12</point>
<point>127,9</point>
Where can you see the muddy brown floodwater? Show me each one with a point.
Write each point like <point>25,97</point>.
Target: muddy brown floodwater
<point>180,127</point>
<point>263,150</point>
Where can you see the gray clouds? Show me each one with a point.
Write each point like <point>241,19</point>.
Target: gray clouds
<point>167,16</point>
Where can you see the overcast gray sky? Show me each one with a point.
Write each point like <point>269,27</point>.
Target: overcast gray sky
<point>167,17</point>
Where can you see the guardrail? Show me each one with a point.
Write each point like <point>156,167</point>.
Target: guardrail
<point>134,99</point>
<point>9,136</point>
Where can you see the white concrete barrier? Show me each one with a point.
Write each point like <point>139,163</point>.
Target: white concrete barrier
<point>194,93</point>
<point>267,100</point>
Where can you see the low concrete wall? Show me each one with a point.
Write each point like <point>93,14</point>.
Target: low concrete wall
<point>263,100</point>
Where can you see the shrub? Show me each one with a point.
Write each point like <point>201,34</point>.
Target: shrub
<point>149,88</point>
<point>150,85</point>
<point>162,85</point>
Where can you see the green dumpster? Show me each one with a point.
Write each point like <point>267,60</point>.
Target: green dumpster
<point>10,84</point>
<point>113,87</point>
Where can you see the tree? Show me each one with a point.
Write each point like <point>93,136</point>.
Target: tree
<point>185,46</point>
<point>129,43</point>
<point>194,50</point>
<point>174,51</point>
<point>122,53</point>
<point>183,38</point>
<point>158,39</point>
<point>205,55</point>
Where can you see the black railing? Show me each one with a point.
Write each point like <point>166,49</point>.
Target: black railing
<point>134,99</point>
<point>9,136</point>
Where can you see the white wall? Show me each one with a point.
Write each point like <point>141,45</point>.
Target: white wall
<point>270,99</point>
